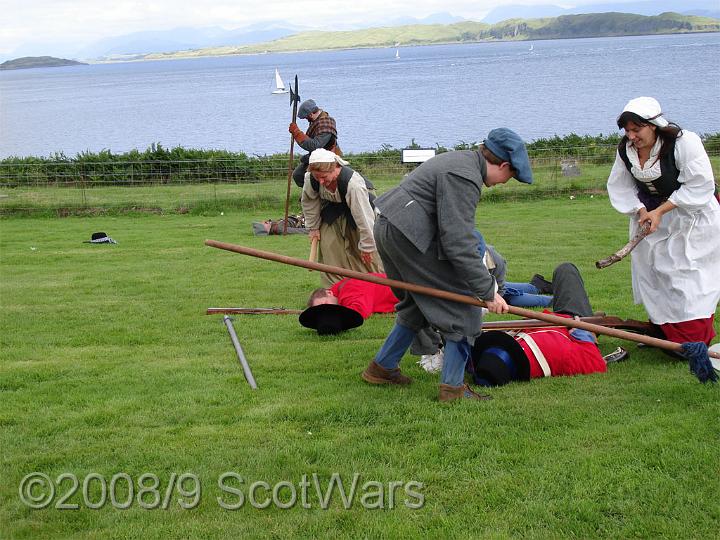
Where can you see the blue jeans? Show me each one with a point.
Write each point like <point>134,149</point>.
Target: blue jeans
<point>456,355</point>
<point>455,358</point>
<point>524,295</point>
<point>396,345</point>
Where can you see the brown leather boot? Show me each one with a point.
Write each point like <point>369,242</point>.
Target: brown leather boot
<point>450,393</point>
<point>376,374</point>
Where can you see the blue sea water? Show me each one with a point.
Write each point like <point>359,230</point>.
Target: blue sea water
<point>443,94</point>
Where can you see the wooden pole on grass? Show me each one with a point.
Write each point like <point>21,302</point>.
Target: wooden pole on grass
<point>454,297</point>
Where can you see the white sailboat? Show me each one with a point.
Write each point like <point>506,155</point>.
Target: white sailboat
<point>531,47</point>
<point>397,54</point>
<point>280,86</point>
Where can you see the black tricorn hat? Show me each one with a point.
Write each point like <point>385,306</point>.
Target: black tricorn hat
<point>330,318</point>
<point>498,359</point>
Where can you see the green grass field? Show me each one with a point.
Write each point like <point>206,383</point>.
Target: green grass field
<point>110,366</point>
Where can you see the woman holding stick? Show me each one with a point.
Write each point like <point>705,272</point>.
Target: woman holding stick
<point>662,179</point>
<point>338,209</point>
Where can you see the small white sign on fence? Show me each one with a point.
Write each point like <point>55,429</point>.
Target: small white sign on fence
<point>417,155</point>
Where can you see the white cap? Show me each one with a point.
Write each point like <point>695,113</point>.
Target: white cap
<point>326,156</point>
<point>648,109</point>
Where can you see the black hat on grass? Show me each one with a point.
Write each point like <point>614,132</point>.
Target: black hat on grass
<point>330,318</point>
<point>498,359</point>
<point>100,238</point>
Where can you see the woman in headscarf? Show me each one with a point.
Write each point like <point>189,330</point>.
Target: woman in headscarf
<point>338,208</point>
<point>662,179</point>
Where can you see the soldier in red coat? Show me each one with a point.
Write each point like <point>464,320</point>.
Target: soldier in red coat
<point>502,357</point>
<point>346,304</point>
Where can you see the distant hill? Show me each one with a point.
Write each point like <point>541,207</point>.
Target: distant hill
<point>27,62</point>
<point>566,26</point>
<point>131,45</point>
<point>706,8</point>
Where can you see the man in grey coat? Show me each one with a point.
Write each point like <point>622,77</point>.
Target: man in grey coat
<point>424,235</point>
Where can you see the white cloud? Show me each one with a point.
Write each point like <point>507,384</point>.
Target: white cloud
<point>28,22</point>
<point>25,22</point>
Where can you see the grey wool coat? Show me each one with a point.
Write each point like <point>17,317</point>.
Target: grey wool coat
<point>424,235</point>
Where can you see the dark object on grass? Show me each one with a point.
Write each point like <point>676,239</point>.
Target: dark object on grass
<point>293,225</point>
<point>498,359</point>
<point>697,355</point>
<point>100,238</point>
<point>330,318</point>
<point>541,284</point>
<point>618,355</point>
<point>241,355</point>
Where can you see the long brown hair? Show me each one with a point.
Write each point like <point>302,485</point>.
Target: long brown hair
<point>667,134</point>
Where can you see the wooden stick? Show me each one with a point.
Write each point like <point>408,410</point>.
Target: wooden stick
<point>313,249</point>
<point>447,295</point>
<point>513,324</point>
<point>610,322</point>
<point>623,251</point>
<point>295,98</point>
<point>253,311</point>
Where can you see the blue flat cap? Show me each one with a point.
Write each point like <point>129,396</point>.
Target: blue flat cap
<point>306,107</point>
<point>508,146</point>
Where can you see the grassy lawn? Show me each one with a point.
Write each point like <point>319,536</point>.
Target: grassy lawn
<point>109,365</point>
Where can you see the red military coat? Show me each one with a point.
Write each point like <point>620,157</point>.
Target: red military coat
<point>564,354</point>
<point>364,297</point>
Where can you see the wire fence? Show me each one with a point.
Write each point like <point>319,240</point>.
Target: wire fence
<point>70,186</point>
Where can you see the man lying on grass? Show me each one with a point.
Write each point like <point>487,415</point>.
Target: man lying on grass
<point>499,357</point>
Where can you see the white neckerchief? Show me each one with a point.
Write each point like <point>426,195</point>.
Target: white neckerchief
<point>652,165</point>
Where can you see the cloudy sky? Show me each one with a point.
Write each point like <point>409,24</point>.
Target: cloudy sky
<point>78,22</point>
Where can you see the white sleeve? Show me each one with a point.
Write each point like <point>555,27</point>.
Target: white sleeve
<point>622,189</point>
<point>696,176</point>
<point>362,212</point>
<point>310,202</point>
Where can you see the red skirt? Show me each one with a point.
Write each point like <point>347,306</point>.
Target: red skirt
<point>695,330</point>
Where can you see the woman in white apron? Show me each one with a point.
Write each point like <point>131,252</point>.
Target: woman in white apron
<point>662,178</point>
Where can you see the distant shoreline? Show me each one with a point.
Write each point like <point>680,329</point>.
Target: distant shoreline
<point>330,49</point>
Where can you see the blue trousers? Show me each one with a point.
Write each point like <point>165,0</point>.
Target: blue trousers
<point>525,295</point>
<point>456,356</point>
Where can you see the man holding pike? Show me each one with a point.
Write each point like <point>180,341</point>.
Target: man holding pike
<point>321,133</point>
<point>424,234</point>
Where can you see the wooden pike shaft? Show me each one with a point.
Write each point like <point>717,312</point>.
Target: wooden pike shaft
<point>625,250</point>
<point>313,251</point>
<point>447,295</point>
<point>608,322</point>
<point>252,311</point>
<point>511,324</point>
<point>295,98</point>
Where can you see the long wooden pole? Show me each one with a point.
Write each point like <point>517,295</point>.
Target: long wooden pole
<point>447,295</point>
<point>511,324</point>
<point>295,98</point>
